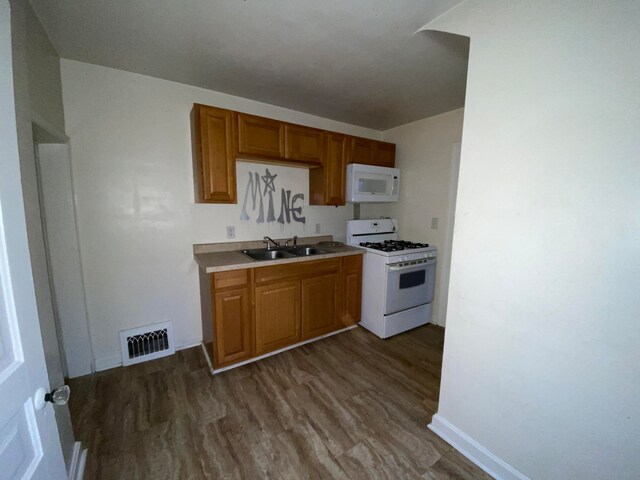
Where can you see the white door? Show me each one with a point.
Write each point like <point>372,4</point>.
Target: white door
<point>29,442</point>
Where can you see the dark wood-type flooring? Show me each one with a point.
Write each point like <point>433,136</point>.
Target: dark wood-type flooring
<point>351,406</point>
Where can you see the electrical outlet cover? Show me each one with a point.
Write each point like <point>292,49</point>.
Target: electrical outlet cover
<point>231,232</point>
<point>317,228</point>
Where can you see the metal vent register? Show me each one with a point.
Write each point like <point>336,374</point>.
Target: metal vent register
<point>146,343</point>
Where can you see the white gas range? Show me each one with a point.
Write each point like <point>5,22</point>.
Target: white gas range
<point>398,277</point>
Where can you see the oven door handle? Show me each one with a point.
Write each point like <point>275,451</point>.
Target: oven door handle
<point>399,268</point>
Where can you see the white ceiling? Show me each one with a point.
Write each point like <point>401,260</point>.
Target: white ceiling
<point>357,61</point>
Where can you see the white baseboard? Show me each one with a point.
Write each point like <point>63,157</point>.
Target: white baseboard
<point>467,446</point>
<point>108,362</point>
<point>116,361</point>
<point>78,461</point>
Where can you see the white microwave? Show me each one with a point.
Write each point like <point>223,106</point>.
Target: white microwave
<point>366,183</point>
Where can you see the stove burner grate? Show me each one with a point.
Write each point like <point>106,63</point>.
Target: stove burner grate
<point>393,245</point>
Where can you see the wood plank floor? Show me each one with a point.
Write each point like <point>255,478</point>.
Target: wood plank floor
<point>351,406</point>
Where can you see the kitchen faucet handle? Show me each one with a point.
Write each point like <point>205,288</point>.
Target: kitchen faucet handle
<point>294,240</point>
<point>270,241</point>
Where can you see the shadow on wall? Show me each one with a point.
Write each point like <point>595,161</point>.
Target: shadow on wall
<point>454,46</point>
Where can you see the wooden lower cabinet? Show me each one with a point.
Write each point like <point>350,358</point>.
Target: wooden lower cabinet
<point>351,290</point>
<point>260,310</point>
<point>233,338</point>
<point>319,305</point>
<point>277,312</point>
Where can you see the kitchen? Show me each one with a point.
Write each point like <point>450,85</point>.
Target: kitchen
<point>158,183</point>
<point>199,225</point>
<point>305,370</point>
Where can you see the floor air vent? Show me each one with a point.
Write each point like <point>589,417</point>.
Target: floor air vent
<point>146,343</point>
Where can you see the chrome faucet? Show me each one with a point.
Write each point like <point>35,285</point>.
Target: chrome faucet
<point>294,240</point>
<point>271,243</point>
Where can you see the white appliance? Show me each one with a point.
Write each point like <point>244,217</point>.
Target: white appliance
<point>366,183</point>
<point>398,277</point>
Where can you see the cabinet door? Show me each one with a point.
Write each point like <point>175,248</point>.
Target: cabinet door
<point>351,290</point>
<point>319,305</point>
<point>214,161</point>
<point>260,136</point>
<point>372,152</point>
<point>335,168</point>
<point>327,184</point>
<point>232,319</point>
<point>303,144</point>
<point>362,151</point>
<point>277,316</point>
<point>385,154</point>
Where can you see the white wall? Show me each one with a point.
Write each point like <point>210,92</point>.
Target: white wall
<point>424,151</point>
<point>57,200</point>
<point>38,94</point>
<point>541,350</point>
<point>131,155</point>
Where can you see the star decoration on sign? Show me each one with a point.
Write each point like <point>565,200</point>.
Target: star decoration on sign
<point>268,179</point>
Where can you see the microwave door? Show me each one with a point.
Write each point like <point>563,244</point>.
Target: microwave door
<point>373,184</point>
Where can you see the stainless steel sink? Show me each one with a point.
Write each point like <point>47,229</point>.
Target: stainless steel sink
<point>264,254</point>
<point>306,251</point>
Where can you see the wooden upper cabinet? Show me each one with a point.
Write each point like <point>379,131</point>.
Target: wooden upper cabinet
<point>372,152</point>
<point>233,338</point>
<point>277,308</point>
<point>214,159</point>
<point>258,136</point>
<point>336,168</point>
<point>362,151</point>
<point>319,305</point>
<point>221,136</point>
<point>303,144</point>
<point>327,184</point>
<point>385,154</point>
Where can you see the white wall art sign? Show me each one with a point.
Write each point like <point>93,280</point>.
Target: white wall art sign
<point>267,194</point>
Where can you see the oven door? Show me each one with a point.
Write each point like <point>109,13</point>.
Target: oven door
<point>410,284</point>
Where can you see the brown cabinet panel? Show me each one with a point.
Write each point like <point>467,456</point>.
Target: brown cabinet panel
<point>372,152</point>
<point>214,159</point>
<point>336,165</point>
<point>327,184</point>
<point>232,320</point>
<point>385,154</point>
<point>231,278</point>
<point>258,136</point>
<point>362,151</point>
<point>278,273</point>
<point>277,308</point>
<point>352,262</point>
<point>351,290</point>
<point>303,144</point>
<point>319,305</point>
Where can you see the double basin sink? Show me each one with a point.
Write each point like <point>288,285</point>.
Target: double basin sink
<point>283,252</point>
